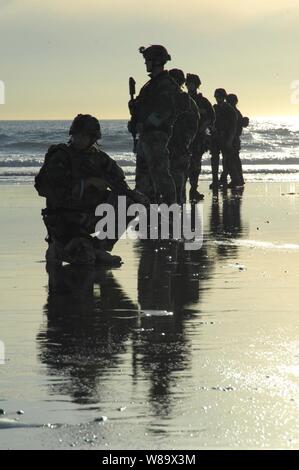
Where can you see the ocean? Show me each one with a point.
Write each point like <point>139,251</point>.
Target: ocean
<point>270,148</point>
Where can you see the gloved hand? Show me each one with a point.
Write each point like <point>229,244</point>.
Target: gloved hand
<point>140,198</point>
<point>245,122</point>
<point>132,106</point>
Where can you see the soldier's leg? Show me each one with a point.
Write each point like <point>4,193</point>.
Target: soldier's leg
<point>68,238</point>
<point>120,220</point>
<point>239,167</point>
<point>215,155</point>
<point>56,236</point>
<point>154,147</point>
<point>179,164</point>
<point>194,172</point>
<point>237,158</point>
<point>143,181</point>
<point>230,165</point>
<point>225,170</point>
<point>179,180</point>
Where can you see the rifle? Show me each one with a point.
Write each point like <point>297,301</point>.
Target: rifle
<point>122,189</point>
<point>132,88</point>
<point>132,123</point>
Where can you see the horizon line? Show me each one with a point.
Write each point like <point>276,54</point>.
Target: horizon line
<point>259,116</point>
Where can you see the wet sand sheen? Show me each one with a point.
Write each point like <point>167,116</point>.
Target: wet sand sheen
<point>178,349</point>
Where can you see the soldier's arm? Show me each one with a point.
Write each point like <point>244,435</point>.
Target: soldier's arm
<point>233,123</point>
<point>210,113</point>
<point>245,121</point>
<point>133,105</point>
<point>207,116</point>
<point>101,165</point>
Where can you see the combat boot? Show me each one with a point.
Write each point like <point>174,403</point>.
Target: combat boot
<point>195,196</point>
<point>104,257</point>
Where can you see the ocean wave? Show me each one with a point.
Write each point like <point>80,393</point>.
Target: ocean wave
<point>261,159</point>
<point>264,245</point>
<point>33,146</point>
<point>12,174</point>
<point>130,171</point>
<point>40,147</point>
<point>275,132</point>
<point>128,160</point>
<point>20,163</point>
<point>116,145</point>
<point>269,147</point>
<point>3,136</point>
<point>263,170</point>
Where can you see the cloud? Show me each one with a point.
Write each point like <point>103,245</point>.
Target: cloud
<point>195,16</point>
<point>58,57</point>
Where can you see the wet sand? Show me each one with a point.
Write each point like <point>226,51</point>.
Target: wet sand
<point>179,350</point>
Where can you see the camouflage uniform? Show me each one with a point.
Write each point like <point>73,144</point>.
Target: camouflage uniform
<point>154,114</point>
<point>241,123</point>
<point>201,142</point>
<point>70,212</point>
<point>225,126</point>
<point>184,131</point>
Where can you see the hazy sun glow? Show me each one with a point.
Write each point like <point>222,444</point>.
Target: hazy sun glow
<point>60,58</point>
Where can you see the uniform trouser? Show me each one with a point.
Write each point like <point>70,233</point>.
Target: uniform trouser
<point>199,147</point>
<point>153,176</point>
<point>229,167</point>
<point>237,159</point>
<point>195,170</point>
<point>179,167</point>
<point>236,162</point>
<point>239,166</point>
<point>65,226</point>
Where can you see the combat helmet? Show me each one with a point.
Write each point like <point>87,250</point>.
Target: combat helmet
<point>87,124</point>
<point>178,75</point>
<point>192,77</point>
<point>220,92</point>
<point>158,54</point>
<point>232,99</point>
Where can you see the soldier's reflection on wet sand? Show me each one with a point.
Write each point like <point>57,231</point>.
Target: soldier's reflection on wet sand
<point>82,338</point>
<point>226,224</point>
<point>92,327</point>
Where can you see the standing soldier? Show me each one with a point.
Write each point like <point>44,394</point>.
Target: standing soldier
<point>184,131</point>
<point>201,142</point>
<point>241,123</point>
<point>153,114</point>
<point>222,140</point>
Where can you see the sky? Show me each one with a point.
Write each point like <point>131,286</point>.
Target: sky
<point>59,58</point>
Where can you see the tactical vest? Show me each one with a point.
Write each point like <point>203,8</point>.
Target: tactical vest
<point>148,100</point>
<point>186,125</point>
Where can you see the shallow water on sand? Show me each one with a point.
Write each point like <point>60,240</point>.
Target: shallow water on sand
<point>178,349</point>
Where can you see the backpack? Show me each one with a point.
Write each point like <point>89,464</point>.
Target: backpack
<point>43,184</point>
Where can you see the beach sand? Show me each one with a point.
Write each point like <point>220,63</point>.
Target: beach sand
<point>179,350</point>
